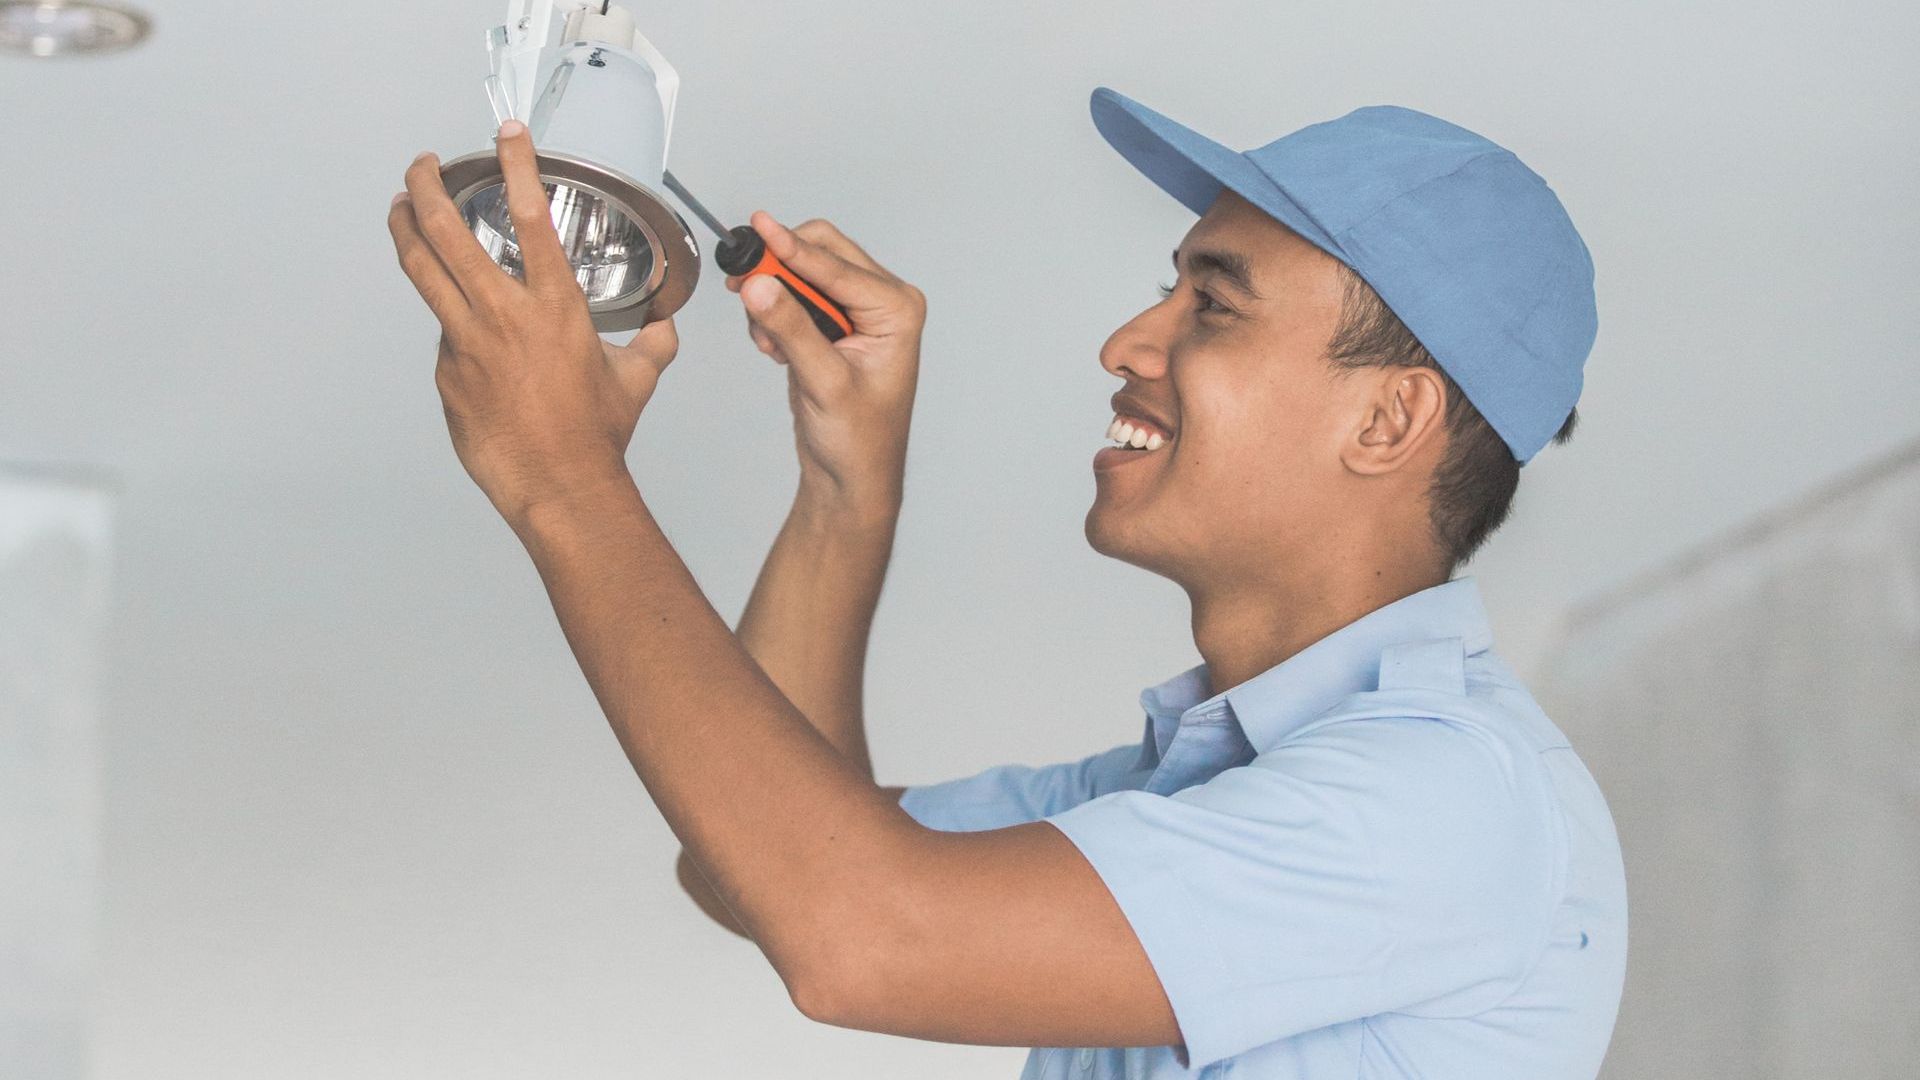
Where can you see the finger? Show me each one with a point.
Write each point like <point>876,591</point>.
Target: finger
<point>854,288</point>
<point>819,367</point>
<point>423,268</point>
<point>826,234</point>
<point>459,250</point>
<point>765,343</point>
<point>543,259</point>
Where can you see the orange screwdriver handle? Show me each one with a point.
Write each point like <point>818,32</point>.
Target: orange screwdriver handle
<point>826,315</point>
<point>743,253</point>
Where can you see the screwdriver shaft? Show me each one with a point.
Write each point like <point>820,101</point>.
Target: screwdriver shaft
<point>693,204</point>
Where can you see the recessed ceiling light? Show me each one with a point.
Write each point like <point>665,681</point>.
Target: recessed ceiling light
<point>598,98</point>
<point>69,27</point>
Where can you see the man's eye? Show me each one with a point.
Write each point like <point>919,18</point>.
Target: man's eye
<point>1208,302</point>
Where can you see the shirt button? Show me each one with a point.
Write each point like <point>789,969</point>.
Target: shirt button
<point>1086,1058</point>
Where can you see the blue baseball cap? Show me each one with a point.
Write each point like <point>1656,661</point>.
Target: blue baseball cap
<point>1468,246</point>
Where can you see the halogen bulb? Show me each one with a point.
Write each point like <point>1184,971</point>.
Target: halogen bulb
<point>611,257</point>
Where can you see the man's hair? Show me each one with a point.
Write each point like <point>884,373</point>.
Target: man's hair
<point>1473,484</point>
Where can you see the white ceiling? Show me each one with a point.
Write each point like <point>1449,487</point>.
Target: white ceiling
<point>330,665</point>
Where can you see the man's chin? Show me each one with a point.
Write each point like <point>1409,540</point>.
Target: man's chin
<point>1127,549</point>
<point>1105,529</point>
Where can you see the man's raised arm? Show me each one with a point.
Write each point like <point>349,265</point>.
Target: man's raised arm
<point>808,618</point>
<point>806,624</point>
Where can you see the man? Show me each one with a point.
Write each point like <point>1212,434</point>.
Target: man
<point>1347,844</point>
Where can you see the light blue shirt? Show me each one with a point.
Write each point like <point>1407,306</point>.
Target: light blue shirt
<point>1376,859</point>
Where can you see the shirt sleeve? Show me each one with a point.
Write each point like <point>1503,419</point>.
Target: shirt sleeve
<point>1363,866</point>
<point>1014,794</point>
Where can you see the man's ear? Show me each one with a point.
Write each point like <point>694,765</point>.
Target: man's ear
<point>1405,418</point>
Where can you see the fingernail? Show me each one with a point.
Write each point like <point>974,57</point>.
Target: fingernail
<point>397,200</point>
<point>512,129</point>
<point>422,156</point>
<point>760,292</point>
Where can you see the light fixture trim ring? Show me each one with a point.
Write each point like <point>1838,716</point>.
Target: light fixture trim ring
<point>671,279</point>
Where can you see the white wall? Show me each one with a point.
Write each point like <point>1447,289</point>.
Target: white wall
<point>1753,712</point>
<point>363,817</point>
<point>55,550</point>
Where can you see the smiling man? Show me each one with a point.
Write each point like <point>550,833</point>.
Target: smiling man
<point>1346,844</point>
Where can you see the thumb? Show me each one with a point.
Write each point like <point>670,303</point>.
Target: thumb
<point>819,368</point>
<point>639,362</point>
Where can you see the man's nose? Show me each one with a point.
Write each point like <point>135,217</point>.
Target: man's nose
<point>1139,348</point>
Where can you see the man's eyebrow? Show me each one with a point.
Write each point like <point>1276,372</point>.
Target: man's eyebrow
<point>1228,264</point>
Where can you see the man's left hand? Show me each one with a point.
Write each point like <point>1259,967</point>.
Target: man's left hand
<point>538,405</point>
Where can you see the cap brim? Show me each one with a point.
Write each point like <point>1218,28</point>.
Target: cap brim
<point>1193,168</point>
<point>1184,163</point>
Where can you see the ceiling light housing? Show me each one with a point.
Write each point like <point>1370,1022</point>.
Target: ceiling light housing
<point>46,28</point>
<point>598,99</point>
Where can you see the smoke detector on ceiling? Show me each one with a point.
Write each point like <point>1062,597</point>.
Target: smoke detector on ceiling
<point>69,27</point>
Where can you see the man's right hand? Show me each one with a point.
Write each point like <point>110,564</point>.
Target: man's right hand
<point>852,399</point>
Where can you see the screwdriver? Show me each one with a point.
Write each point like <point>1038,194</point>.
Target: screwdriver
<point>741,251</point>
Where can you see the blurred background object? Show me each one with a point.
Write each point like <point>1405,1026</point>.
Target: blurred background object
<point>363,817</point>
<point>1752,710</point>
<point>55,557</point>
<point>46,28</point>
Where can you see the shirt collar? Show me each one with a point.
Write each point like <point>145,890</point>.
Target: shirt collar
<point>1272,704</point>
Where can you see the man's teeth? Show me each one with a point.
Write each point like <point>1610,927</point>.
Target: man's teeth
<point>1140,438</point>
